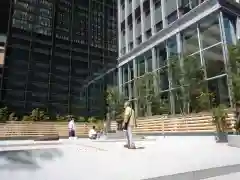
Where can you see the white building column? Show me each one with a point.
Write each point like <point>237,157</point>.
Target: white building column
<point>126,25</point>
<point>154,67</point>
<point>119,28</point>
<point>142,21</point>
<point>130,95</point>
<point>135,87</point>
<point>134,23</point>
<point>163,5</point>
<point>120,79</point>
<point>152,12</point>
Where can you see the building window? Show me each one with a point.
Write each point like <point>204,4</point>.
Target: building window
<point>172,17</point>
<point>190,40</point>
<point>219,88</point>
<point>125,73</point>
<point>159,26</point>
<point>214,61</point>
<point>139,40</point>
<point>161,55</point>
<point>130,46</point>
<point>163,79</point>
<point>172,46</point>
<point>210,31</point>
<point>157,3</point>
<point>229,22</point>
<point>148,33</point>
<point>140,65</point>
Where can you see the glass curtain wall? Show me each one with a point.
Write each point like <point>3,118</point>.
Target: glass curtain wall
<point>204,41</point>
<point>52,49</point>
<point>93,97</point>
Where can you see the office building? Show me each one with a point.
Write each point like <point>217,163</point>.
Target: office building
<point>151,31</point>
<point>52,48</point>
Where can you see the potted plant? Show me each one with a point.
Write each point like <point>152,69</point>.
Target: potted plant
<point>220,116</point>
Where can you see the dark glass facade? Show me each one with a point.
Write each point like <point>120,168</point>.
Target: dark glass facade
<point>95,94</point>
<point>52,48</point>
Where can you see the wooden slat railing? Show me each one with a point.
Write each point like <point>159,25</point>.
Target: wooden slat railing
<point>159,124</point>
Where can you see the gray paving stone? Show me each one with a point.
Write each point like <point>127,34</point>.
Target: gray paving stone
<point>88,160</point>
<point>232,176</point>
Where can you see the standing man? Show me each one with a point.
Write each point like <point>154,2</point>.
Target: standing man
<point>129,123</point>
<point>71,128</point>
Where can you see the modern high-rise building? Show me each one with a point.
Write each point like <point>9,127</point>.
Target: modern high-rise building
<point>151,31</point>
<point>49,49</point>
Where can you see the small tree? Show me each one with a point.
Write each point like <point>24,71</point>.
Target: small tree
<point>61,118</point>
<point>12,117</point>
<point>234,70</point>
<point>160,106</point>
<point>92,120</point>
<point>115,101</point>
<point>202,101</point>
<point>234,75</point>
<point>189,76</point>
<point>220,116</point>
<point>36,115</point>
<point>80,119</point>
<point>145,92</point>
<point>3,114</point>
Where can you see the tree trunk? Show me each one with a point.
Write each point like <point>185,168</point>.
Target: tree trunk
<point>149,109</point>
<point>108,124</point>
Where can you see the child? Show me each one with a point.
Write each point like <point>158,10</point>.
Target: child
<point>71,129</point>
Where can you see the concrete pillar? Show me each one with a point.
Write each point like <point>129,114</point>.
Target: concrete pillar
<point>134,22</point>
<point>152,10</point>
<point>134,87</point>
<point>163,5</point>
<point>142,21</point>
<point>120,79</point>
<point>154,67</point>
<point>119,28</point>
<point>126,25</point>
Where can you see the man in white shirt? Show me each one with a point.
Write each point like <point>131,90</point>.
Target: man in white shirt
<point>92,134</point>
<point>129,123</point>
<point>71,129</point>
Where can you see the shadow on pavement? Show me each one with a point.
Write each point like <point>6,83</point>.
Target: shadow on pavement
<point>140,147</point>
<point>27,159</point>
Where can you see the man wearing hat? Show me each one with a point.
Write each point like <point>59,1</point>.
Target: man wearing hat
<point>129,123</point>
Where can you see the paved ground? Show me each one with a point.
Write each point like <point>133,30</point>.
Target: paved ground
<point>90,160</point>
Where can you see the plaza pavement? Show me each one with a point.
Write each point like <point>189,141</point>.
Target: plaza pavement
<point>175,158</point>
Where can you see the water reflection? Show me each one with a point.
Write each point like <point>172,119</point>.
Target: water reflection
<point>27,159</point>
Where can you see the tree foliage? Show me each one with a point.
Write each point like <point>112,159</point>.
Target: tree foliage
<point>220,116</point>
<point>189,76</point>
<point>115,101</point>
<point>36,115</point>
<point>234,70</point>
<point>149,97</point>
<point>3,114</point>
<point>145,92</point>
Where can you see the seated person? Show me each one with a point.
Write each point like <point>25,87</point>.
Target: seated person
<point>92,134</point>
<point>99,133</point>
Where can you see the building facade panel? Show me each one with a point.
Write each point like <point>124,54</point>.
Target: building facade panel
<point>52,48</point>
<point>204,32</point>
